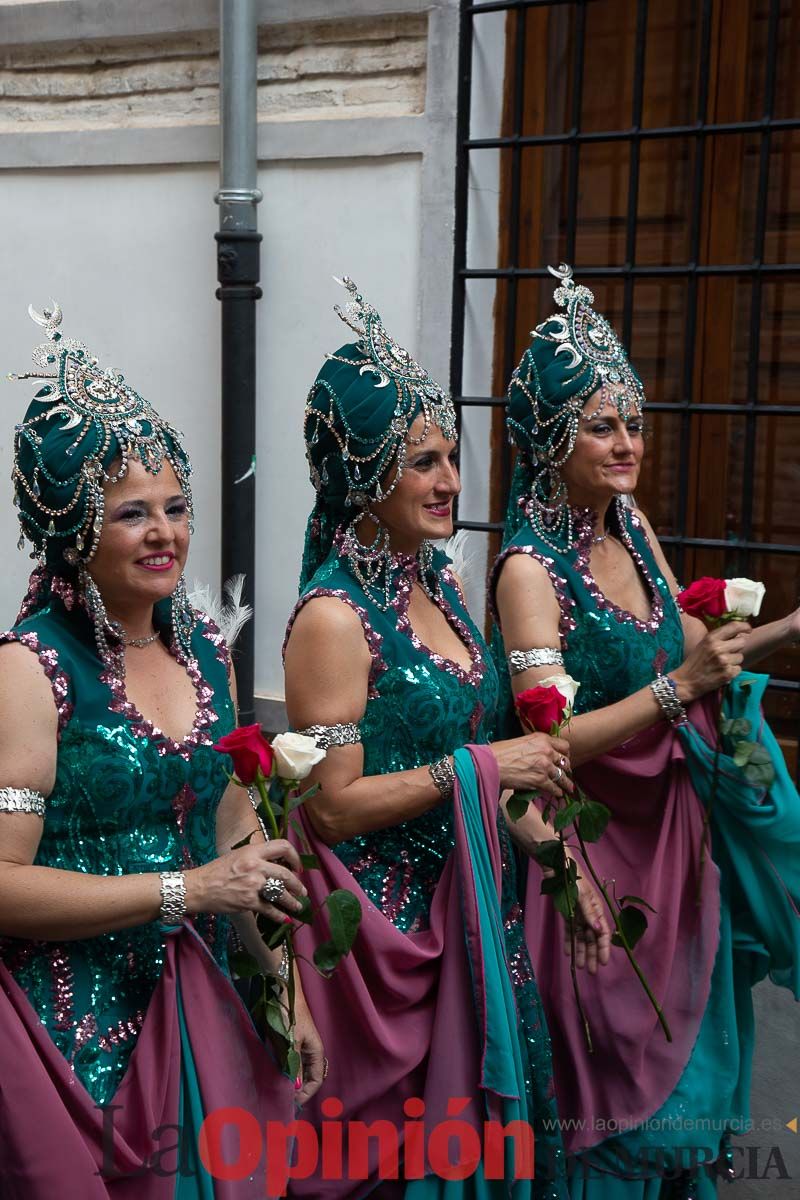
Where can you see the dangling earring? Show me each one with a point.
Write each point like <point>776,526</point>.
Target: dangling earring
<point>548,511</point>
<point>182,617</point>
<point>114,658</point>
<point>371,565</point>
<point>426,571</point>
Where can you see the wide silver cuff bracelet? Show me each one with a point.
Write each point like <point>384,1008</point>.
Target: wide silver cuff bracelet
<point>333,735</point>
<point>21,800</point>
<point>544,656</point>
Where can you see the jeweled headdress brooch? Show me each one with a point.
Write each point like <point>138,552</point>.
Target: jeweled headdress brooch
<point>362,405</point>
<point>79,432</point>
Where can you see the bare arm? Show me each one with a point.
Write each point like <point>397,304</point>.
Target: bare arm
<point>51,904</point>
<point>327,677</point>
<point>529,614</point>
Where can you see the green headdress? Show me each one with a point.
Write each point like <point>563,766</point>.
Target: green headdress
<point>357,420</point>
<point>79,432</point>
<point>572,355</point>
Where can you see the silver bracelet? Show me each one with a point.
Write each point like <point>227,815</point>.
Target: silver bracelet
<point>21,800</point>
<point>666,693</point>
<point>444,776</point>
<point>544,656</point>
<point>325,736</point>
<point>173,897</point>
<point>283,966</point>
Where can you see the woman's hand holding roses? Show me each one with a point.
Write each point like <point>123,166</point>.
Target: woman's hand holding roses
<point>715,661</point>
<point>535,762</point>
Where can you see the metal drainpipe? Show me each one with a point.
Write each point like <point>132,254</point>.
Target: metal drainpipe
<point>238,272</point>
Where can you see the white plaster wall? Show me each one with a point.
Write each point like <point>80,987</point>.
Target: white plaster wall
<point>319,219</point>
<point>130,256</point>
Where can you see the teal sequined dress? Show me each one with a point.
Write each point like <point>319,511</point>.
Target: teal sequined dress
<point>614,654</point>
<point>126,799</point>
<point>420,707</point>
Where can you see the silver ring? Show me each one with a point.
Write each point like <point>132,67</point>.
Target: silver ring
<point>271,890</point>
<point>557,775</point>
<point>562,762</point>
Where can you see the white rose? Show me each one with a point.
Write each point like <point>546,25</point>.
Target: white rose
<point>296,755</point>
<point>566,685</point>
<point>744,597</point>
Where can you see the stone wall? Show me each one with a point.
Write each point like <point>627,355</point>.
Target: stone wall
<point>372,67</point>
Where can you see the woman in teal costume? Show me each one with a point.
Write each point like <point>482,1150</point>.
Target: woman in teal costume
<point>117,886</point>
<point>386,668</point>
<point>583,583</point>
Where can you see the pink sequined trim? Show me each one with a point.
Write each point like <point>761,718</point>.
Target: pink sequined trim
<point>400,602</point>
<point>584,532</point>
<point>374,640</point>
<point>30,600</point>
<point>85,1030</point>
<point>48,657</point>
<point>212,632</point>
<point>121,1032</point>
<point>63,987</point>
<point>199,735</point>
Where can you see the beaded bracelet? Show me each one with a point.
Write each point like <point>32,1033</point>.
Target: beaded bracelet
<point>666,693</point>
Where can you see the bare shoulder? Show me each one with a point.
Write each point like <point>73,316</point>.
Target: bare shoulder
<point>28,721</point>
<point>23,683</point>
<point>326,618</point>
<point>521,574</point>
<point>328,664</point>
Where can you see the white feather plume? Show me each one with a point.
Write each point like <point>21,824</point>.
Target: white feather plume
<point>465,557</point>
<point>227,610</point>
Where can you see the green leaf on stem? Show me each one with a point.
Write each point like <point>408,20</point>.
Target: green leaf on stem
<point>308,793</point>
<point>310,862</point>
<point>243,965</point>
<point>636,900</point>
<point>245,840</point>
<point>563,894</point>
<point>565,816</point>
<point>306,913</point>
<point>549,855</point>
<point>594,818</point>
<point>517,805</point>
<point>633,924</point>
<point>344,918</point>
<point>294,1064</point>
<point>735,727</point>
<point>301,837</point>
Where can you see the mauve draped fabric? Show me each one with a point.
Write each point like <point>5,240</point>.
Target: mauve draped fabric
<point>52,1133</point>
<point>650,849</point>
<point>404,1014</point>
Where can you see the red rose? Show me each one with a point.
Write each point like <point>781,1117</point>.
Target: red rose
<point>540,708</point>
<point>705,598</point>
<point>249,750</point>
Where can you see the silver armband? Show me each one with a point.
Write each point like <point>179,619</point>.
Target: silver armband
<point>544,656</point>
<point>444,776</point>
<point>173,897</point>
<point>664,689</point>
<point>333,735</point>
<point>21,800</point>
<point>283,966</point>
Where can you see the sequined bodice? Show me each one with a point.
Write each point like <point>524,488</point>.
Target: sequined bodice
<point>126,799</point>
<point>609,650</point>
<point>420,707</point>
